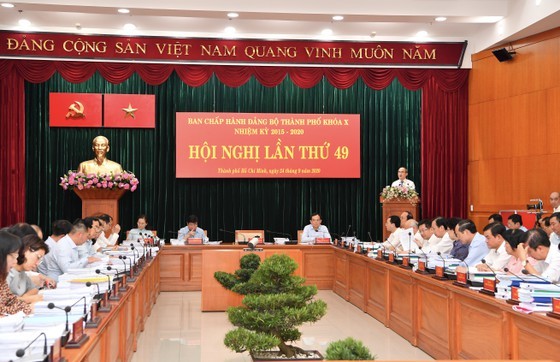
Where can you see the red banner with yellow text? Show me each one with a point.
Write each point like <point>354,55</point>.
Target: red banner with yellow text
<point>240,51</point>
<point>267,145</point>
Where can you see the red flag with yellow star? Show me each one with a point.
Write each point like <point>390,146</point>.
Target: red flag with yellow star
<point>129,110</point>
<point>75,110</point>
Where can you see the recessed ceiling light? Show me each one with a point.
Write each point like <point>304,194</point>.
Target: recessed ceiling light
<point>232,15</point>
<point>338,17</point>
<point>326,32</point>
<point>24,23</point>
<point>372,34</point>
<point>123,11</point>
<point>7,5</point>
<point>422,34</point>
<point>441,18</point>
<point>230,30</point>
<point>129,27</point>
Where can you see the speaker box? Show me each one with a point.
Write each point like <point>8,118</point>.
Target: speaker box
<point>503,55</point>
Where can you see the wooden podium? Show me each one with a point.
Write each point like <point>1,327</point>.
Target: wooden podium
<point>100,201</point>
<point>397,207</point>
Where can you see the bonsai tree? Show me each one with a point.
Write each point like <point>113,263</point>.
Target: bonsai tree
<point>348,349</point>
<point>248,263</point>
<point>275,304</point>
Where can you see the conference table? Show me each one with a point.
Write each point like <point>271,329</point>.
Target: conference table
<point>116,337</point>
<point>444,320</point>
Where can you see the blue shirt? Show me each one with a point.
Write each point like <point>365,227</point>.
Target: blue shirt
<point>310,234</point>
<point>199,234</point>
<point>478,249</point>
<point>459,250</point>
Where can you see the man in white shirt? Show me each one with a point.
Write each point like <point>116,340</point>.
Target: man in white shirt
<point>59,229</point>
<point>425,231</point>
<point>497,258</point>
<point>555,226</point>
<point>515,222</point>
<point>393,225</point>
<point>443,244</point>
<point>538,247</point>
<point>109,235</point>
<point>314,230</point>
<point>407,241</point>
<point>555,201</point>
<point>402,180</point>
<point>93,225</point>
<point>66,255</point>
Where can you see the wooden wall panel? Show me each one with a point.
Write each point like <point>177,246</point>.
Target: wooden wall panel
<point>514,127</point>
<point>377,285</point>
<point>319,267</point>
<point>534,340</point>
<point>401,305</point>
<point>433,319</point>
<point>340,286</point>
<point>357,282</point>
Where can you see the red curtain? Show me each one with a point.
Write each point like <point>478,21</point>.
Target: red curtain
<point>12,149</point>
<point>444,115</point>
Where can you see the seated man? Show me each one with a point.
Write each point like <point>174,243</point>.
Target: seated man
<point>495,218</point>
<point>59,229</point>
<point>314,230</point>
<point>498,257</point>
<point>405,216</point>
<point>444,243</point>
<point>410,231</point>
<point>555,227</point>
<point>467,233</point>
<point>555,201</point>
<point>544,223</point>
<point>538,247</point>
<point>425,231</point>
<point>459,250</point>
<point>393,225</point>
<point>192,231</point>
<point>93,225</point>
<point>516,222</point>
<point>66,255</point>
<point>109,235</point>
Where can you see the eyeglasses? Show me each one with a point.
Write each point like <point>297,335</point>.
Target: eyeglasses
<point>37,255</point>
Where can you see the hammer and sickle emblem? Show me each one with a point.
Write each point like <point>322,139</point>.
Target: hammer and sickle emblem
<point>76,111</point>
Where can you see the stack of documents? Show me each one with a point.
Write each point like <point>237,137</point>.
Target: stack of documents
<point>11,342</point>
<point>538,297</point>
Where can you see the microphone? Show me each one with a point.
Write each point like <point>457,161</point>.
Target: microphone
<point>369,236</point>
<point>348,230</point>
<point>515,275</point>
<point>409,247</point>
<point>121,258</point>
<point>483,261</point>
<point>21,352</point>
<point>97,271</point>
<point>526,272</point>
<point>135,252</point>
<point>89,284</point>
<point>131,277</point>
<point>115,295</point>
<point>66,333</point>
<point>85,306</point>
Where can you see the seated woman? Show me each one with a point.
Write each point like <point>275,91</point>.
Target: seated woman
<point>141,222</point>
<point>9,252</point>
<point>30,256</point>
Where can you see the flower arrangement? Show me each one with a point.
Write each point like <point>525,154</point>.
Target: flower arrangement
<point>126,180</point>
<point>399,192</point>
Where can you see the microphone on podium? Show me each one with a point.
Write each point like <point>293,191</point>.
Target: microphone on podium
<point>45,355</point>
<point>253,242</point>
<point>483,261</point>
<point>66,333</point>
<point>526,272</point>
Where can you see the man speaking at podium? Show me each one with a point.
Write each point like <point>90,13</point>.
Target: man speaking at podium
<point>314,230</point>
<point>403,181</point>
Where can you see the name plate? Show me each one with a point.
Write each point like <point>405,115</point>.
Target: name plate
<point>56,351</point>
<point>422,265</point>
<point>194,241</point>
<point>515,294</point>
<point>489,284</point>
<point>439,271</point>
<point>77,330</point>
<point>391,257</point>
<point>322,241</point>
<point>405,261</point>
<point>461,278</point>
<point>556,305</point>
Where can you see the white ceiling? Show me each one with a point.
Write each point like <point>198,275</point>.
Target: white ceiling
<point>483,23</point>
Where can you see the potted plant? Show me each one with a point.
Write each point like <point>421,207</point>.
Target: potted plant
<point>276,302</point>
<point>348,349</point>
